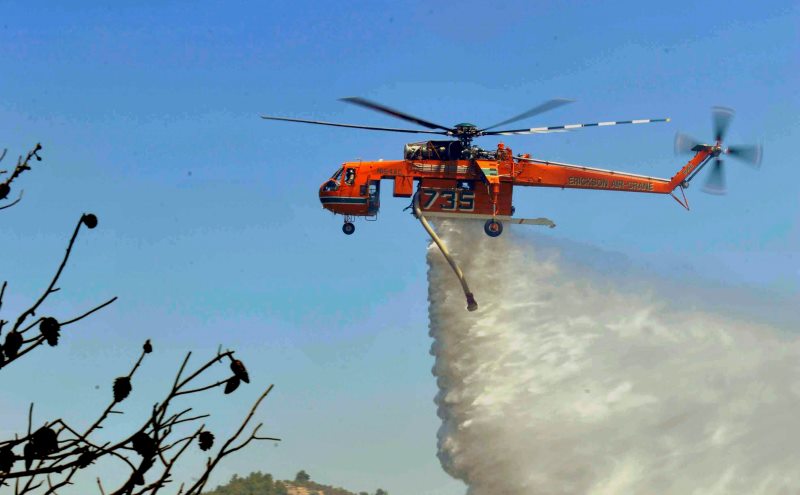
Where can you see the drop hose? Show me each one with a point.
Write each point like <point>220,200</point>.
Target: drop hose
<point>472,305</point>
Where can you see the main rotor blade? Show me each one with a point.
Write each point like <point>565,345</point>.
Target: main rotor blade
<point>750,154</point>
<point>355,100</point>
<point>319,122</point>
<point>684,143</point>
<point>715,184</point>
<point>569,127</point>
<point>544,107</point>
<point>721,117</point>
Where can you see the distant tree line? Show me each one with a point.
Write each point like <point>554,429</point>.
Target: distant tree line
<point>258,483</point>
<point>253,484</point>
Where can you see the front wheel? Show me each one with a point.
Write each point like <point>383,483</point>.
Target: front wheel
<point>348,228</point>
<point>493,228</point>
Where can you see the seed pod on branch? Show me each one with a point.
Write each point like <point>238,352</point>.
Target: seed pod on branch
<point>144,445</point>
<point>4,190</point>
<point>138,478</point>
<point>12,344</point>
<point>45,441</point>
<point>232,384</point>
<point>7,459</point>
<point>147,347</point>
<point>90,220</point>
<point>86,458</point>
<point>122,388</point>
<point>50,328</point>
<point>29,452</point>
<point>240,371</point>
<point>205,440</point>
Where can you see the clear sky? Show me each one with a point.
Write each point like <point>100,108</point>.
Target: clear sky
<point>211,232</point>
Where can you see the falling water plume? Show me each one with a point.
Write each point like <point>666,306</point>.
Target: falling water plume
<point>562,383</point>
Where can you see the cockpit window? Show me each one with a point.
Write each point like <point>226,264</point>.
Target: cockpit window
<point>350,176</point>
<point>337,174</point>
<point>331,185</point>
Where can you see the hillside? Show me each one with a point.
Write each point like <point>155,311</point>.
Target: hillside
<point>259,483</point>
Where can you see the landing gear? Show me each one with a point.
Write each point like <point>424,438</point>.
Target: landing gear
<point>493,228</point>
<point>348,228</point>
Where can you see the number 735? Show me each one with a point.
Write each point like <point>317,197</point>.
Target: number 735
<point>454,199</point>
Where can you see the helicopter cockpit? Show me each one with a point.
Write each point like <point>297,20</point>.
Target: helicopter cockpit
<point>333,183</point>
<point>434,150</point>
<point>351,193</point>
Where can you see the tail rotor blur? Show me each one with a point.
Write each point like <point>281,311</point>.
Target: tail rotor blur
<point>721,118</point>
<point>684,143</point>
<point>750,154</point>
<point>715,183</point>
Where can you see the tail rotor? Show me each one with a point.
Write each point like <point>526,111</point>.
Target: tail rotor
<point>715,183</point>
<point>721,118</point>
<point>750,154</point>
<point>684,143</point>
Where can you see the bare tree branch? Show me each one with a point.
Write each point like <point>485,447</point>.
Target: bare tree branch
<point>22,166</point>
<point>47,456</point>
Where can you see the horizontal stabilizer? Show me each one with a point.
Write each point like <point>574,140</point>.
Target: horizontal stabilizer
<point>533,221</point>
<point>503,218</point>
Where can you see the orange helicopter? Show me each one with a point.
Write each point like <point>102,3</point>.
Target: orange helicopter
<point>456,179</point>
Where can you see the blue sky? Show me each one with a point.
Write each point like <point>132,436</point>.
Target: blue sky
<point>210,228</point>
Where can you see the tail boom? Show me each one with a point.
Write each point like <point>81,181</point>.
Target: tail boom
<point>542,173</point>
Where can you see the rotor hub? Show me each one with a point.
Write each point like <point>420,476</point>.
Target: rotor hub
<point>465,132</point>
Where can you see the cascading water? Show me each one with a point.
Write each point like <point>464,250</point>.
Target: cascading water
<point>561,384</point>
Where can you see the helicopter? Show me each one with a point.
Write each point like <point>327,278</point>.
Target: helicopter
<point>456,179</point>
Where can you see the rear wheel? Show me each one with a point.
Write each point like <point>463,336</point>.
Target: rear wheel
<point>493,228</point>
<point>348,228</point>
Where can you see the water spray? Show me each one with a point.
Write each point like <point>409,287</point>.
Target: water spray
<point>566,384</point>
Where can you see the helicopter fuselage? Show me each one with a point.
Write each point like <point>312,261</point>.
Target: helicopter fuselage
<point>474,182</point>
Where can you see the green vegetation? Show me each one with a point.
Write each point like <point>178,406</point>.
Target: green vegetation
<point>263,484</point>
<point>254,484</point>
